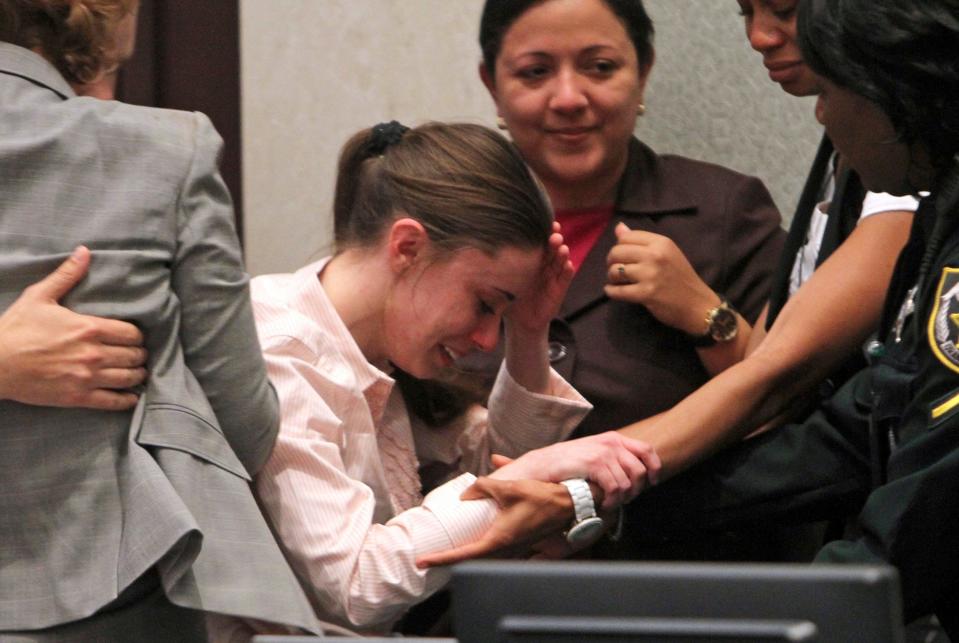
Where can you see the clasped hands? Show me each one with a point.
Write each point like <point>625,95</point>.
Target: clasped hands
<point>534,511</point>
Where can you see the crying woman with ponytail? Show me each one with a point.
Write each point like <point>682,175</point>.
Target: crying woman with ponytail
<point>443,237</point>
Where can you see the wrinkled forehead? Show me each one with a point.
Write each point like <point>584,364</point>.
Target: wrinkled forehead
<point>512,271</point>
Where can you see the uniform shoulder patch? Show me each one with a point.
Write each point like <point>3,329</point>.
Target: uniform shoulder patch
<point>944,320</point>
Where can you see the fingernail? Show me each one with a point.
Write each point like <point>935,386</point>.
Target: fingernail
<point>76,253</point>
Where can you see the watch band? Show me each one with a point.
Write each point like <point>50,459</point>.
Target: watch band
<point>702,341</point>
<point>587,527</point>
<point>583,504</point>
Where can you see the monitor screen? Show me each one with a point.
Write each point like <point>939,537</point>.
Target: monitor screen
<point>611,629</point>
<point>286,638</point>
<point>620,602</point>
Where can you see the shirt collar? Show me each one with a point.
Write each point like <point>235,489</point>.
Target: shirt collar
<point>375,384</point>
<point>18,61</point>
<point>647,188</point>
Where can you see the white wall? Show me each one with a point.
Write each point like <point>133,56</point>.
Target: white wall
<point>315,71</point>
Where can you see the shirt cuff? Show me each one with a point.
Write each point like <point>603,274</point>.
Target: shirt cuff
<point>528,414</point>
<point>464,521</point>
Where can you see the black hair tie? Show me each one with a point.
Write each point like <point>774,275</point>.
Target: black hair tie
<point>386,134</point>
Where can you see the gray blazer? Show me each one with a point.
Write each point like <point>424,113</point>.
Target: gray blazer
<point>89,500</point>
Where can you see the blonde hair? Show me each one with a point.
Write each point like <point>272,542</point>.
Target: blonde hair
<point>76,36</point>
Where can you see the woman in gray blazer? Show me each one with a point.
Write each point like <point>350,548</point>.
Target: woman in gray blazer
<point>125,525</point>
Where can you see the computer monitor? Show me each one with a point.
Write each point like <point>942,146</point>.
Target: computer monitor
<point>286,638</point>
<point>620,602</point>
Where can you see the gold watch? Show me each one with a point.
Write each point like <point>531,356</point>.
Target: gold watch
<point>721,325</point>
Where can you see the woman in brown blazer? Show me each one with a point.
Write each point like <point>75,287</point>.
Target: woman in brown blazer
<point>692,239</point>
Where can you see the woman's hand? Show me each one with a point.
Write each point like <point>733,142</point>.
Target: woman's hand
<point>532,314</point>
<point>530,512</point>
<point>620,466</point>
<point>527,320</point>
<point>51,356</point>
<point>649,269</point>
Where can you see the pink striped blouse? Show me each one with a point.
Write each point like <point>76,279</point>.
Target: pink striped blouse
<point>342,489</point>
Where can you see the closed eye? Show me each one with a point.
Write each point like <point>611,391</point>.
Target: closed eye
<point>533,72</point>
<point>783,10</point>
<point>603,67</point>
<point>484,308</point>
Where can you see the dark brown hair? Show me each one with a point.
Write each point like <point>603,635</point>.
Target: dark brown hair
<point>900,55</point>
<point>499,15</point>
<point>464,183</point>
<point>76,36</point>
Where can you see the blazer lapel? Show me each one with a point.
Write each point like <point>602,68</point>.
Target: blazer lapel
<point>586,289</point>
<point>639,205</point>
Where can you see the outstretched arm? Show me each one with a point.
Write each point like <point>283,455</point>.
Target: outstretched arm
<point>820,326</point>
<point>52,356</point>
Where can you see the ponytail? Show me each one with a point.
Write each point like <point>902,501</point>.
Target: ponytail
<point>464,183</point>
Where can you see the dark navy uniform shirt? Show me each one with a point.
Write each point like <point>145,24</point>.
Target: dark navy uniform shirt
<point>886,445</point>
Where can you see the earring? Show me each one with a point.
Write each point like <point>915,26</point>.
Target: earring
<point>640,109</point>
<point>501,122</point>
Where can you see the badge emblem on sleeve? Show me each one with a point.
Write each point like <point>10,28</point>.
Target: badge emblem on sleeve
<point>944,321</point>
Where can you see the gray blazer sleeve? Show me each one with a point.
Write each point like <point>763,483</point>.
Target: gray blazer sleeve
<point>217,332</point>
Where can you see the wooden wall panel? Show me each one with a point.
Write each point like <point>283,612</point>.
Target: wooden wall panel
<point>188,57</point>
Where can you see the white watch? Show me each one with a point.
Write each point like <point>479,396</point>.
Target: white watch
<point>587,527</point>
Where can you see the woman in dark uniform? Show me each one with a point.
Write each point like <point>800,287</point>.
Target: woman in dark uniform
<point>887,444</point>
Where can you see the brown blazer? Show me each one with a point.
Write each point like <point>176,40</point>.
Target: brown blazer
<point>624,361</point>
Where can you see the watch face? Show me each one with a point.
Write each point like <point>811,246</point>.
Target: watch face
<point>585,532</point>
<point>723,326</point>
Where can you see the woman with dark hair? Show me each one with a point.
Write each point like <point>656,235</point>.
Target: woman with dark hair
<point>442,234</point>
<point>828,292</point>
<point>691,242</point>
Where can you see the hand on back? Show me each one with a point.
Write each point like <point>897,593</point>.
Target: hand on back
<point>52,356</point>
